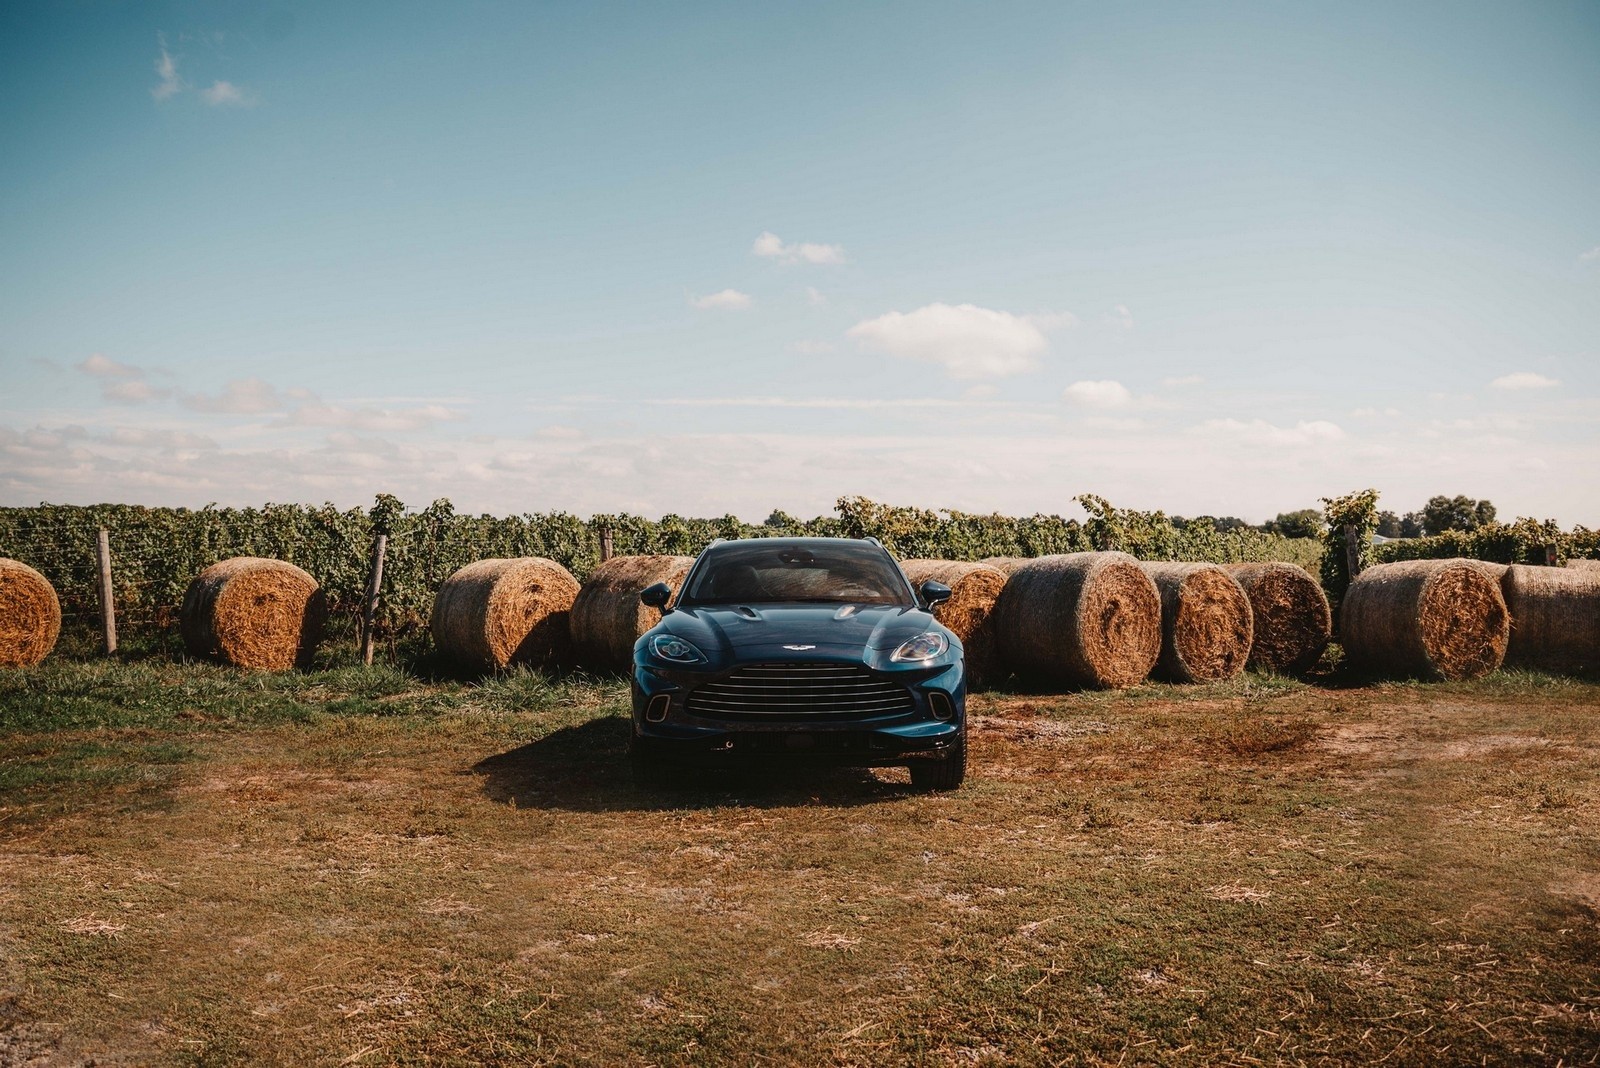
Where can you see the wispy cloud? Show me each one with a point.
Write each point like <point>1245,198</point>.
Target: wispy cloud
<point>1176,381</point>
<point>727,298</point>
<point>964,339</point>
<point>1524,380</point>
<point>222,94</point>
<point>1590,256</point>
<point>816,297</point>
<point>242,396</point>
<point>167,70</point>
<point>1261,432</point>
<point>120,383</point>
<point>811,348</point>
<point>770,245</point>
<point>102,366</point>
<point>379,420</point>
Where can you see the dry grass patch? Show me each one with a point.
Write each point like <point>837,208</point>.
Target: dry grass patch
<point>1121,880</point>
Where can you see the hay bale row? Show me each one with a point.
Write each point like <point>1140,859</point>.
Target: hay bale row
<point>1291,620</point>
<point>969,613</point>
<point>255,613</point>
<point>1428,618</point>
<point>607,615</point>
<point>30,615</point>
<point>1206,626</point>
<point>1555,617</point>
<point>493,614</point>
<point>1087,619</point>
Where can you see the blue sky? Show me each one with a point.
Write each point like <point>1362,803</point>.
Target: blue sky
<point>1221,258</point>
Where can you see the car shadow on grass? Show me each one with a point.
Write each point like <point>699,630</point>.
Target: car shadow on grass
<point>584,768</point>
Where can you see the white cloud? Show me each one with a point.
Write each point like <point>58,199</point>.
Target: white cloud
<point>120,383</point>
<point>1592,254</point>
<point>771,246</point>
<point>104,367</point>
<point>1106,394</point>
<point>964,339</point>
<point>728,298</point>
<point>242,396</point>
<point>811,348</point>
<point>167,70</point>
<point>1524,380</point>
<point>1261,432</point>
<point>1121,318</point>
<point>225,94</point>
<point>1374,413</point>
<point>816,297</point>
<point>1175,381</point>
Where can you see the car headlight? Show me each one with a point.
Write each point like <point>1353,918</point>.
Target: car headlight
<point>675,649</point>
<point>924,646</point>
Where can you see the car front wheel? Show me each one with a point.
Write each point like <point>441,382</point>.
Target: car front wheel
<point>946,774</point>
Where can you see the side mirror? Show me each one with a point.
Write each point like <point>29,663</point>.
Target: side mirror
<point>658,595</point>
<point>933,592</point>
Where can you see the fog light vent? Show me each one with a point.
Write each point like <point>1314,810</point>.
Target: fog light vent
<point>656,711</point>
<point>943,707</point>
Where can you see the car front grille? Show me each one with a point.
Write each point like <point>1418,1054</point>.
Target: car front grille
<point>800,689</point>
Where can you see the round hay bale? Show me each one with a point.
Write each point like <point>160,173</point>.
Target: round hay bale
<point>607,617</point>
<point>968,613</point>
<point>1584,565</point>
<point>1428,618</point>
<point>493,614</point>
<point>1005,564</point>
<point>1089,619</point>
<point>253,613</point>
<point>1205,622</point>
<point>30,615</point>
<point>1555,617</point>
<point>1290,614</point>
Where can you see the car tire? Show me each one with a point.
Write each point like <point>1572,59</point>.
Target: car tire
<point>946,774</point>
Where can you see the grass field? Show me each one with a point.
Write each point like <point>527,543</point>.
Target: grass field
<point>360,867</point>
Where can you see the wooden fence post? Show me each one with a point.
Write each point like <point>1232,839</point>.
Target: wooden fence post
<point>1352,550</point>
<point>605,544</point>
<point>108,608</point>
<point>369,608</point>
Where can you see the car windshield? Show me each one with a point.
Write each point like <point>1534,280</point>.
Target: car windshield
<point>757,571</point>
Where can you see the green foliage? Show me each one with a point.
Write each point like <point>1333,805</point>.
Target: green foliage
<point>157,551</point>
<point>1442,514</point>
<point>1526,541</point>
<point>1306,523</point>
<point>1354,515</point>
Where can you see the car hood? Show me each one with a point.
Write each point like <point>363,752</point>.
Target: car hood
<point>761,629</point>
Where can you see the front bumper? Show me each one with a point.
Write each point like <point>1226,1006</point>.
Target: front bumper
<point>868,741</point>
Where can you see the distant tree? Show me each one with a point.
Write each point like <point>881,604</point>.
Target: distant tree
<point>1411,525</point>
<point>1455,513</point>
<point>780,518</point>
<point>1306,523</point>
<point>1225,523</point>
<point>1389,525</point>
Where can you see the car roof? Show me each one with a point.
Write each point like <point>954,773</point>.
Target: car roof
<point>798,542</point>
